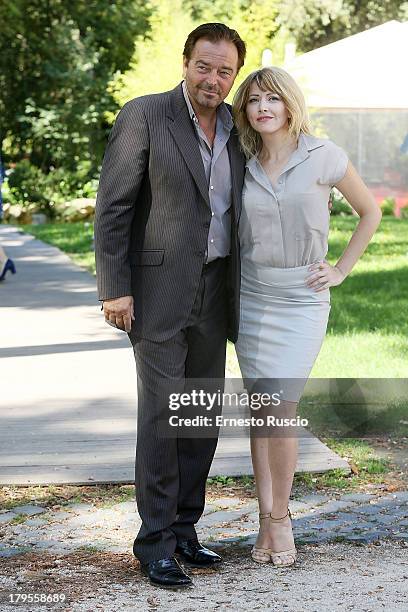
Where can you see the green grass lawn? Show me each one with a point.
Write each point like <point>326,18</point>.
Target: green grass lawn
<point>368,326</point>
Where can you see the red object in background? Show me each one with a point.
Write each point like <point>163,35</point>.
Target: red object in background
<point>400,196</point>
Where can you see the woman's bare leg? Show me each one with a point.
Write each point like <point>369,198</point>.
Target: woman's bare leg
<point>274,462</point>
<point>263,482</point>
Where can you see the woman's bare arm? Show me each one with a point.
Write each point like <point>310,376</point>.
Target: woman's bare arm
<point>362,201</point>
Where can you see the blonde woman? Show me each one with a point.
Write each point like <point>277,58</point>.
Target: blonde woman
<point>285,279</point>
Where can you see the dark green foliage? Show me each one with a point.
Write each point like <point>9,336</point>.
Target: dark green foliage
<point>56,60</point>
<point>315,23</point>
<point>29,185</point>
<point>340,207</point>
<point>388,207</point>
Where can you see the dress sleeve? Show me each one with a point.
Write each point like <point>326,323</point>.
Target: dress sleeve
<point>334,164</point>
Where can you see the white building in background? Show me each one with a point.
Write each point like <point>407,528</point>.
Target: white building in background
<point>357,92</point>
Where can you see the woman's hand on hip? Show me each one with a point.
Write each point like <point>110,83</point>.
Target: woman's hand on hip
<point>324,276</point>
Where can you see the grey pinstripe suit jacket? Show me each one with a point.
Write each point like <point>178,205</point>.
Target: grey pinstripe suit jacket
<point>153,214</point>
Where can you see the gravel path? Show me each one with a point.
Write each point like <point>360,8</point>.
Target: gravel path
<point>353,517</point>
<point>353,554</point>
<point>327,577</point>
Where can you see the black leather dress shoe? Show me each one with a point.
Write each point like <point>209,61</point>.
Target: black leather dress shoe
<point>166,573</point>
<point>197,555</point>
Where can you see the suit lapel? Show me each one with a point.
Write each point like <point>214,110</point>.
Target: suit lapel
<point>237,172</point>
<point>183,133</point>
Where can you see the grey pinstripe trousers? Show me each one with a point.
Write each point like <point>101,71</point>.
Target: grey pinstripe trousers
<point>170,473</point>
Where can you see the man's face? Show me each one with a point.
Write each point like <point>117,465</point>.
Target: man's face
<point>210,72</point>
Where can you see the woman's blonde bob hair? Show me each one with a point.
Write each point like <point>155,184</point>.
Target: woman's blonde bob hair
<point>278,81</point>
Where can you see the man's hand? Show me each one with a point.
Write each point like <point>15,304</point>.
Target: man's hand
<point>119,312</point>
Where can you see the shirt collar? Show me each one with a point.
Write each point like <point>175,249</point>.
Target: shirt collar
<point>306,143</point>
<point>311,142</point>
<point>222,112</point>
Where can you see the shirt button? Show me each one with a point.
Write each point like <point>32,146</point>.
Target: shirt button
<point>212,240</point>
<point>212,214</point>
<point>211,186</point>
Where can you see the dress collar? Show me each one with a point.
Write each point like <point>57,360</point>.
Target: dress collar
<point>306,143</point>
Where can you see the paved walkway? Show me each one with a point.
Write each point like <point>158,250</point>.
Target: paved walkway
<point>68,384</point>
<point>353,517</point>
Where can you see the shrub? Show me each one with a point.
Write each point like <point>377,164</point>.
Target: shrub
<point>404,213</point>
<point>340,206</point>
<point>37,191</point>
<point>23,185</point>
<point>388,207</point>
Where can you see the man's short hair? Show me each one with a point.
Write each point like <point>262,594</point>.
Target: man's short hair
<point>214,32</point>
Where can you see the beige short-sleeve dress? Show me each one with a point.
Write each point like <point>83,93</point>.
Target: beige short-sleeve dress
<point>282,232</point>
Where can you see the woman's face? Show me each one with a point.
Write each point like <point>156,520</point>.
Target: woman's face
<point>266,111</point>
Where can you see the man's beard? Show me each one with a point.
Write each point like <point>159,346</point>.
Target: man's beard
<point>209,102</point>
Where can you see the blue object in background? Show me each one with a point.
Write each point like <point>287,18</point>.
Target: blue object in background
<point>2,177</point>
<point>404,146</point>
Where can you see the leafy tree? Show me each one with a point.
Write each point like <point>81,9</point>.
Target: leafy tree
<point>66,67</point>
<point>315,23</point>
<point>157,63</point>
<point>56,60</point>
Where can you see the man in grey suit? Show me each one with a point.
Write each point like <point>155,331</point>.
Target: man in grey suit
<point>167,266</point>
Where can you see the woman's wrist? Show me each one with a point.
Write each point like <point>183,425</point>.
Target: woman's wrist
<point>341,271</point>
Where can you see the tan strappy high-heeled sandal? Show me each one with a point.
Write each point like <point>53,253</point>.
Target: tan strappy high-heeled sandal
<point>291,552</point>
<point>267,555</point>
<point>261,555</point>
